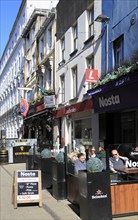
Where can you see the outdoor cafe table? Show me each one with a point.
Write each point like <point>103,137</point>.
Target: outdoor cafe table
<point>129,170</point>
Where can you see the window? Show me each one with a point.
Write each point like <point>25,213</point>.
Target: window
<point>19,62</point>
<point>90,22</point>
<point>28,41</point>
<point>33,62</point>
<point>62,86</point>
<point>118,51</point>
<point>33,32</point>
<point>48,79</point>
<point>90,64</point>
<point>30,95</point>
<point>28,68</point>
<point>128,120</point>
<point>74,82</point>
<point>82,132</point>
<point>49,39</point>
<point>75,36</point>
<point>63,48</point>
<point>42,48</point>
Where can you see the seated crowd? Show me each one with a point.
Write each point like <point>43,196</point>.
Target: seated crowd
<point>78,157</point>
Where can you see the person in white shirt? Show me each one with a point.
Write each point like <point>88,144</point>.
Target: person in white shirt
<point>116,161</point>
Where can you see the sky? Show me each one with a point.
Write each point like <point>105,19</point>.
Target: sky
<point>8,12</point>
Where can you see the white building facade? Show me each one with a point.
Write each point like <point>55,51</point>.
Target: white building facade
<point>78,48</point>
<point>12,69</point>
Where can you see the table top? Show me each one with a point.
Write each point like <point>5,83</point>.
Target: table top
<point>129,170</point>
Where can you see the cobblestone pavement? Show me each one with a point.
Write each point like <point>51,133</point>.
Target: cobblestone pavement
<point>51,208</point>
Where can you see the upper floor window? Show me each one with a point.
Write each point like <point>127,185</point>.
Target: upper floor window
<point>15,37</point>
<point>62,86</point>
<point>91,22</point>
<point>90,64</point>
<point>42,48</point>
<point>74,82</point>
<point>63,48</point>
<point>118,51</point>
<point>28,41</point>
<point>33,32</point>
<point>75,36</point>
<point>28,67</point>
<point>48,79</point>
<point>33,62</point>
<point>19,62</point>
<point>49,39</point>
<point>12,44</point>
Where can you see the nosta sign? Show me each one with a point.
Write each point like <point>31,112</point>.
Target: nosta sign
<point>112,100</point>
<point>131,164</point>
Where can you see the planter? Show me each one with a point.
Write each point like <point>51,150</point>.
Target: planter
<point>73,195</point>
<point>95,197</point>
<point>59,180</point>
<point>45,165</point>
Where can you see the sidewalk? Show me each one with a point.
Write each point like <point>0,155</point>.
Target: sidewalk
<point>51,208</point>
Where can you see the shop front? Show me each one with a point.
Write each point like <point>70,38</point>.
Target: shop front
<point>39,124</point>
<point>116,105</point>
<point>73,125</point>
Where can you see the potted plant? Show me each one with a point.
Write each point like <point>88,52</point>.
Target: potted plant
<point>94,190</point>
<point>59,177</point>
<point>43,162</point>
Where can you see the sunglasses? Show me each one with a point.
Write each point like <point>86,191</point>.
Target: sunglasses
<point>114,154</point>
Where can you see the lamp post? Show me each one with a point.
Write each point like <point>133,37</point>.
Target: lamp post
<point>104,19</point>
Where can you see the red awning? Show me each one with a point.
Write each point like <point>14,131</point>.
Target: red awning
<point>78,107</point>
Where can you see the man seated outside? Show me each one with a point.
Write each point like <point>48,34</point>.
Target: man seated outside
<point>80,163</point>
<point>116,161</point>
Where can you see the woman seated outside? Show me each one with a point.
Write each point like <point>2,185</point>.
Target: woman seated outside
<point>92,151</point>
<point>80,163</point>
<point>74,155</point>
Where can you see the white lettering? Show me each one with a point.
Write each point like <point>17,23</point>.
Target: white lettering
<point>27,174</point>
<point>99,197</point>
<point>134,153</point>
<point>70,110</point>
<point>113,100</point>
<point>130,164</point>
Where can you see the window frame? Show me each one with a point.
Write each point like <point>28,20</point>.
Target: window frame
<point>75,36</point>
<point>74,81</point>
<point>118,51</point>
<point>62,86</point>
<point>62,48</point>
<point>91,22</point>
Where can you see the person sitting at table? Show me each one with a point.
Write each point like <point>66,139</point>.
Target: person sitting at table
<point>92,152</point>
<point>80,164</point>
<point>116,161</point>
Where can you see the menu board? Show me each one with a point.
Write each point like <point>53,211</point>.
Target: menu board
<point>27,187</point>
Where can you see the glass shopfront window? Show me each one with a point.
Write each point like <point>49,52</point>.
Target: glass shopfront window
<point>128,121</point>
<point>83,132</point>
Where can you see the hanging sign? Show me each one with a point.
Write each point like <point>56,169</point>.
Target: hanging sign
<point>49,101</point>
<point>27,187</point>
<point>91,75</point>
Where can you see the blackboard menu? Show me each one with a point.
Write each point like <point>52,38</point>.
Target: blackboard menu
<point>27,185</point>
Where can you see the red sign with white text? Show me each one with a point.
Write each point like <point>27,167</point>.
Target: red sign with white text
<point>91,75</point>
